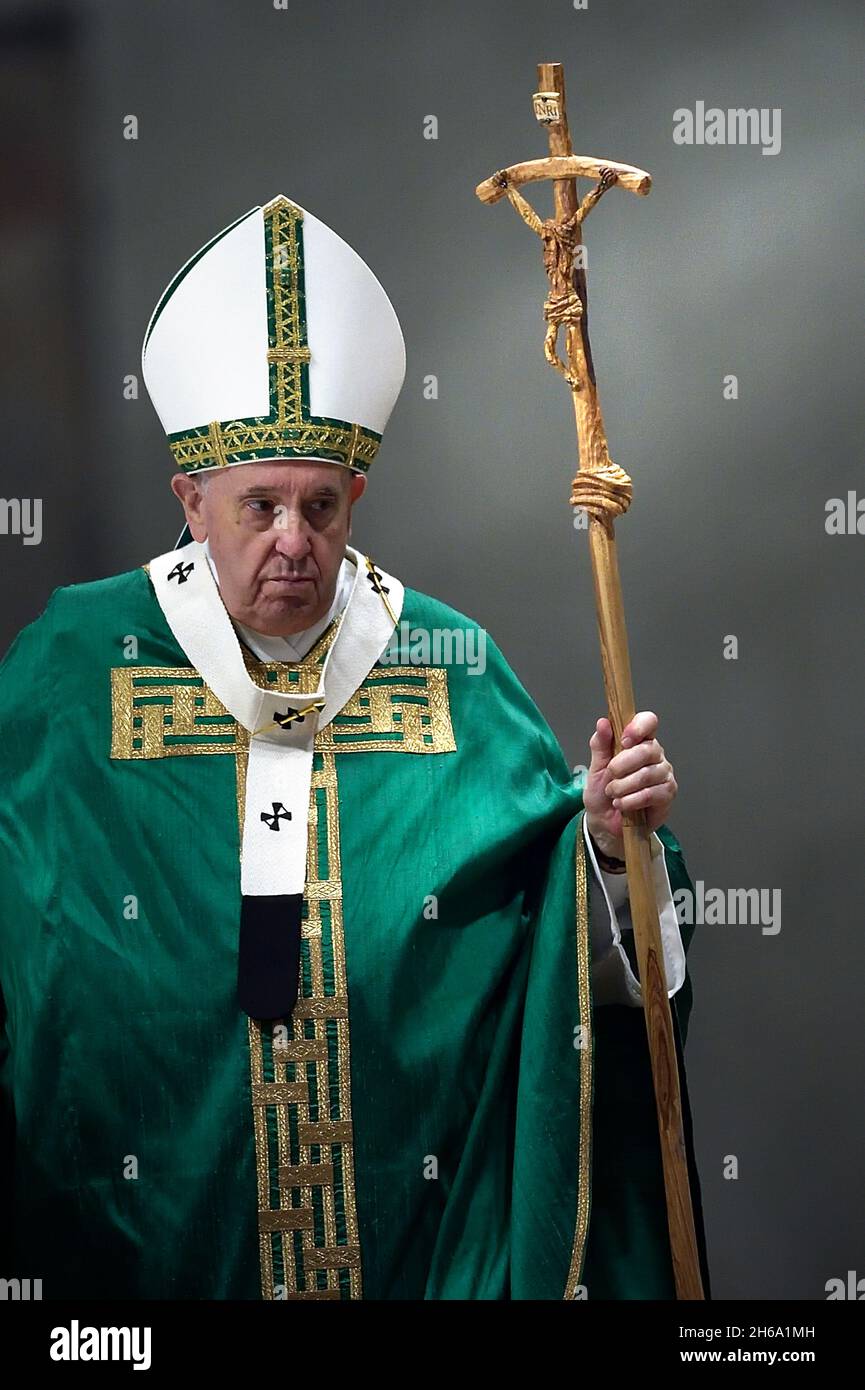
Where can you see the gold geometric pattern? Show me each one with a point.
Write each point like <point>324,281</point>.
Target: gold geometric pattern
<point>163,711</point>
<point>398,709</point>
<point>301,1094</point>
<point>241,441</point>
<point>168,711</point>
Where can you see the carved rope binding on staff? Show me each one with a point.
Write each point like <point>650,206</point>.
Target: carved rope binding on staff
<point>605,492</point>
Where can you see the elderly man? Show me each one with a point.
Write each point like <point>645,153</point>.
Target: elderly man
<point>315,959</point>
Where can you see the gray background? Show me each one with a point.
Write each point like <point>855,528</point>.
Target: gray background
<point>737,262</point>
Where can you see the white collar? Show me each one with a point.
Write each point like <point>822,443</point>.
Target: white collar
<point>295,647</point>
<point>193,608</point>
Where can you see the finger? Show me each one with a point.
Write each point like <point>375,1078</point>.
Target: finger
<point>643,755</point>
<point>643,725</point>
<point>660,795</point>
<point>601,746</point>
<point>653,776</point>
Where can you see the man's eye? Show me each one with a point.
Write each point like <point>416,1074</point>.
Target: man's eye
<point>259,502</point>
<point>323,505</point>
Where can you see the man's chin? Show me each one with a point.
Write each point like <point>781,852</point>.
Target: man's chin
<point>296,605</point>
<point>297,592</point>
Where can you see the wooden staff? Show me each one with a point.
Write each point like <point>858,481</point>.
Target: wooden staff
<point>604,491</point>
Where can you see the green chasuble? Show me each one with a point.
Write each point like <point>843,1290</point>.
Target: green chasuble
<point>443,1115</point>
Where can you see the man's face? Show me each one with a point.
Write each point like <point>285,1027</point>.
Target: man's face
<point>277,534</point>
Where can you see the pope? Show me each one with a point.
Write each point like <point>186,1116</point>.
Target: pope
<point>317,969</point>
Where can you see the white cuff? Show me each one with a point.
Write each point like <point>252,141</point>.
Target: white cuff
<point>613,980</point>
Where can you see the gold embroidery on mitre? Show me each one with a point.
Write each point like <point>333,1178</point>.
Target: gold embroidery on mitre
<point>289,430</point>
<point>217,445</point>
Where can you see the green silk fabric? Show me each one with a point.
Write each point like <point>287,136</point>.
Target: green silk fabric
<point>129,1105</point>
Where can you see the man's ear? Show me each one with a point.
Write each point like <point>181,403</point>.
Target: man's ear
<point>355,490</point>
<point>191,496</point>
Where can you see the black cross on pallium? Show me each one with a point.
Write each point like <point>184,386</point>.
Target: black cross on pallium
<point>375,580</point>
<point>182,572</point>
<point>279,813</point>
<point>295,715</point>
<point>283,720</point>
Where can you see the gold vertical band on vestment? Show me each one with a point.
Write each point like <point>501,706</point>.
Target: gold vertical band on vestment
<point>584,998</point>
<point>302,1120</point>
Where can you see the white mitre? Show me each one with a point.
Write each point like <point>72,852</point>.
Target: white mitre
<point>274,341</point>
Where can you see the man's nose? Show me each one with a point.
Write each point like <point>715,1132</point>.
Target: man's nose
<point>292,535</point>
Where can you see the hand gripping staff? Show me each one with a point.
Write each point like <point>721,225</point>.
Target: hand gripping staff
<point>604,491</point>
